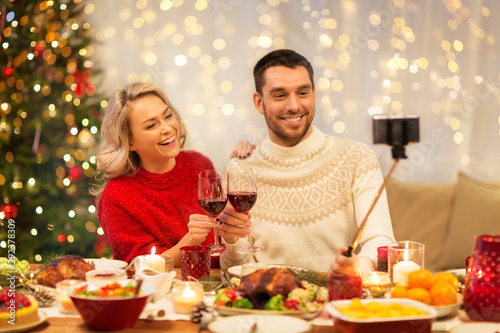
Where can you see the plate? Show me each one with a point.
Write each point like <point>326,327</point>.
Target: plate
<point>445,310</point>
<point>42,317</point>
<point>460,271</point>
<point>106,263</point>
<point>226,311</point>
<point>476,327</point>
<point>265,324</point>
<point>236,270</point>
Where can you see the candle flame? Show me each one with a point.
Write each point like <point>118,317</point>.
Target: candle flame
<point>375,278</point>
<point>153,250</point>
<point>188,292</point>
<point>405,255</point>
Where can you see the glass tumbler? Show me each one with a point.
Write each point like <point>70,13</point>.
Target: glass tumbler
<point>482,281</point>
<point>195,262</point>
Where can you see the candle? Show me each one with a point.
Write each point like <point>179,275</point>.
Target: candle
<point>155,261</point>
<point>401,271</point>
<point>377,283</point>
<point>186,295</point>
<point>64,303</point>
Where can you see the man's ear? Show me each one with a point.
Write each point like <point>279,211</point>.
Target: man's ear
<point>257,101</point>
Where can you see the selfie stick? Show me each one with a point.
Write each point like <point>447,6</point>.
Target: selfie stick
<point>397,134</point>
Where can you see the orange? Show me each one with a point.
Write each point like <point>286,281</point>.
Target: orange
<point>421,278</point>
<point>443,293</point>
<point>419,294</point>
<point>447,277</point>
<point>399,291</point>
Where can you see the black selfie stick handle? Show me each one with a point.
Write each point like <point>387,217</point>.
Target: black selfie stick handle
<point>348,253</point>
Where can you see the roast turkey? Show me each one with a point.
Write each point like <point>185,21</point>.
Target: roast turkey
<point>263,284</point>
<point>67,267</point>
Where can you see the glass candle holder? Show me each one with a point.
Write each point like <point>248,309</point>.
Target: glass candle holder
<point>186,295</point>
<point>195,262</point>
<point>383,259</point>
<point>377,283</point>
<point>482,281</point>
<point>64,303</point>
<point>404,258</point>
<point>342,286</point>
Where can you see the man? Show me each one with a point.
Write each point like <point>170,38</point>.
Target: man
<point>313,190</point>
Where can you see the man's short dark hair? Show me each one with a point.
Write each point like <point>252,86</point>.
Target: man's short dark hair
<point>282,57</point>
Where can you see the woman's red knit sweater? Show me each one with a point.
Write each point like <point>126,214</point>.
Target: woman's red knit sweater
<point>146,210</point>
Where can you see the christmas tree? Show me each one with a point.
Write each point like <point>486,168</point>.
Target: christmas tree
<point>49,121</point>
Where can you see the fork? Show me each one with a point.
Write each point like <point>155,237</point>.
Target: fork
<point>206,318</point>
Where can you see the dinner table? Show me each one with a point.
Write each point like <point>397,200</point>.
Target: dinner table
<point>75,324</point>
<point>323,323</point>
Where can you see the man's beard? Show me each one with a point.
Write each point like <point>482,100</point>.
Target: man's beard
<point>281,133</point>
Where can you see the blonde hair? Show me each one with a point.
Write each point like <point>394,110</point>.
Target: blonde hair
<point>115,158</point>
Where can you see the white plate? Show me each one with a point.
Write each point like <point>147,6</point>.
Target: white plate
<point>42,317</point>
<point>236,270</point>
<point>476,327</point>
<point>460,271</point>
<point>265,324</point>
<point>227,311</point>
<point>445,310</point>
<point>107,263</point>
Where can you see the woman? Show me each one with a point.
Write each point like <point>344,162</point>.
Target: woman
<point>149,193</point>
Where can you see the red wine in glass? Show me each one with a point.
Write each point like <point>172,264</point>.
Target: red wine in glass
<point>212,196</point>
<point>213,206</point>
<point>242,194</point>
<point>242,201</point>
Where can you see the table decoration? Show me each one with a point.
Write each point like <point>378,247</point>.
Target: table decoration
<point>195,262</point>
<point>342,286</point>
<point>383,258</point>
<point>186,295</point>
<point>482,282</point>
<point>155,261</point>
<point>377,283</point>
<point>404,258</point>
<point>64,303</point>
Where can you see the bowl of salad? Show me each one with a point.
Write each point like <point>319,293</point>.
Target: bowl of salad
<point>111,307</point>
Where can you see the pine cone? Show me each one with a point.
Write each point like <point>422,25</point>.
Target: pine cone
<point>44,296</point>
<point>198,312</point>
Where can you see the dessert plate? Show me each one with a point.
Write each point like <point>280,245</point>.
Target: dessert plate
<point>42,317</point>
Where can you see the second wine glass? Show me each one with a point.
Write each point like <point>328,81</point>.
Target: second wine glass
<point>212,196</point>
<point>242,194</point>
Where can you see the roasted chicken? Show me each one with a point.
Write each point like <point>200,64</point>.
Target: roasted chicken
<point>67,267</point>
<point>263,284</point>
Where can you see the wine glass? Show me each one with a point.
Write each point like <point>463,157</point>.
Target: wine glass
<point>212,196</point>
<point>242,194</point>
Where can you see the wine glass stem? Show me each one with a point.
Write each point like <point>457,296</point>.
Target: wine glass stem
<point>216,236</point>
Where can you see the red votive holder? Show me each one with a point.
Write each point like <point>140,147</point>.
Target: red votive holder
<point>482,281</point>
<point>342,286</point>
<point>195,262</point>
<point>383,258</point>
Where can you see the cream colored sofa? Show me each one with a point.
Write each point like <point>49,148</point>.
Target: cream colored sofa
<point>444,217</point>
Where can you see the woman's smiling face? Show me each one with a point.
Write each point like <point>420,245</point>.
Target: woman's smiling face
<point>154,134</point>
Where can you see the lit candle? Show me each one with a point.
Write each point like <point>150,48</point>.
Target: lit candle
<point>402,269</point>
<point>378,283</point>
<point>155,261</point>
<point>186,295</point>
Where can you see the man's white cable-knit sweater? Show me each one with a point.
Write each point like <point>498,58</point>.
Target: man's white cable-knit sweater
<point>311,198</point>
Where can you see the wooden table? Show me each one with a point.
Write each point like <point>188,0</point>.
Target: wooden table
<point>76,325</point>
